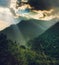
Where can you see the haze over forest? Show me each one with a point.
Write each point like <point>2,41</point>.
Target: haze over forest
<point>29,32</point>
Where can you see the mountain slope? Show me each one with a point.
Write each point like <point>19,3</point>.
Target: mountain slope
<point>27,30</point>
<point>51,37</point>
<point>33,28</point>
<point>48,41</point>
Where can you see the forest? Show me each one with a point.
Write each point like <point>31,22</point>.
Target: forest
<point>12,53</point>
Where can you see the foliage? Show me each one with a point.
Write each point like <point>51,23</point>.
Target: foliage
<point>12,53</point>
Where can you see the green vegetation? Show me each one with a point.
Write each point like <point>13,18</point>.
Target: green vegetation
<point>43,50</point>
<point>12,53</point>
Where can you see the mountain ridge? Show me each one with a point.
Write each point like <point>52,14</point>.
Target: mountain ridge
<point>48,41</point>
<point>26,30</point>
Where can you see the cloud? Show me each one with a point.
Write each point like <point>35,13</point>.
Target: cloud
<point>43,4</point>
<point>4,25</point>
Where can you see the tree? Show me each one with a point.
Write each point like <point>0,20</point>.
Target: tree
<point>6,57</point>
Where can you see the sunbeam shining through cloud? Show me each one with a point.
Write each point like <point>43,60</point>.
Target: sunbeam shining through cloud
<point>12,15</point>
<point>23,11</point>
<point>29,32</point>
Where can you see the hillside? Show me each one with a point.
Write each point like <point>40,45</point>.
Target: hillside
<point>48,42</point>
<point>27,30</point>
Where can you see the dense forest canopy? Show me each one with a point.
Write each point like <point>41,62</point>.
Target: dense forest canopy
<point>34,54</point>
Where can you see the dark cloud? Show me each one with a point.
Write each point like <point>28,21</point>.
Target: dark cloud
<point>43,4</point>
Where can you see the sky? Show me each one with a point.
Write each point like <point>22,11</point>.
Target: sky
<point>44,4</point>
<point>46,16</point>
<point>5,3</point>
<point>47,10</point>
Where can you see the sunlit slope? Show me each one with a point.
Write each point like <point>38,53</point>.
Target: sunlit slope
<point>32,28</point>
<point>49,41</point>
<point>27,30</point>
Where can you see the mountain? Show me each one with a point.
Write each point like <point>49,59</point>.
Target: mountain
<point>33,28</point>
<point>48,41</point>
<point>13,33</point>
<point>27,30</point>
<point>51,37</point>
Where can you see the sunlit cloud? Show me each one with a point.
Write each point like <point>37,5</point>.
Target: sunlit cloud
<point>13,3</point>
<point>25,6</point>
<point>4,25</point>
<point>7,18</point>
<point>39,14</point>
